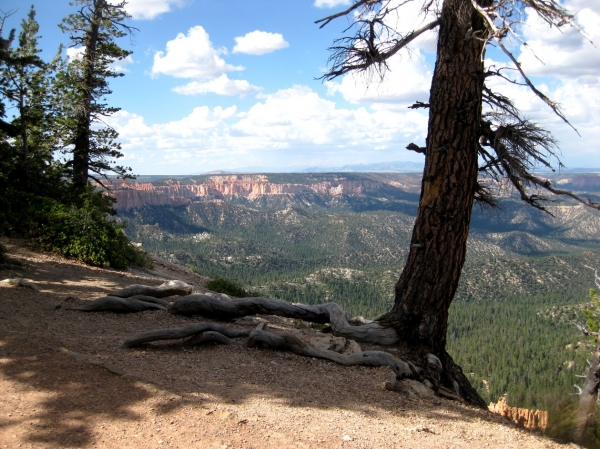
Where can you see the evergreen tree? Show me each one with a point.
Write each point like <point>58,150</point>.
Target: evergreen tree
<point>26,84</point>
<point>93,31</point>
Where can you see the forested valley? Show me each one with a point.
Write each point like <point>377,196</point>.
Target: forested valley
<point>511,324</point>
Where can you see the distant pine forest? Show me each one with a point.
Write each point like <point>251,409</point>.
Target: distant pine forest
<point>524,284</point>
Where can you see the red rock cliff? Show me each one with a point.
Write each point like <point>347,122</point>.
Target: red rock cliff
<point>523,417</point>
<point>132,195</point>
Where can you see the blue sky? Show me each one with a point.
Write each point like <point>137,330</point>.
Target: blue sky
<point>231,84</point>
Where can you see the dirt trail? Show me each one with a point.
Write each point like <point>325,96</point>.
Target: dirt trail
<point>65,382</point>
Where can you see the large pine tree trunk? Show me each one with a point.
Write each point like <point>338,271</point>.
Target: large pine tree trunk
<point>439,242</point>
<point>81,151</point>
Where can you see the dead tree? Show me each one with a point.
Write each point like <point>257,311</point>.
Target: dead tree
<point>468,123</point>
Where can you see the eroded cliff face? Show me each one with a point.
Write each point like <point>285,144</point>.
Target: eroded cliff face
<point>132,195</point>
<point>523,417</point>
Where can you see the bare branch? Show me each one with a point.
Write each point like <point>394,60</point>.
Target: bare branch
<point>414,147</point>
<point>359,58</point>
<point>584,329</point>
<point>554,106</point>
<point>419,104</point>
<point>328,19</point>
<point>518,147</point>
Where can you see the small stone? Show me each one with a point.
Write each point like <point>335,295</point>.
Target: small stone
<point>347,438</point>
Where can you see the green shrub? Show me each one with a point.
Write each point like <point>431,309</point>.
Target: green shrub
<point>87,233</point>
<point>227,286</point>
<point>562,425</point>
<point>561,416</point>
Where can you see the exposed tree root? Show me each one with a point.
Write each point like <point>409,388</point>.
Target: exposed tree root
<point>169,288</point>
<point>206,332</point>
<point>445,377</point>
<point>181,332</point>
<point>439,374</point>
<point>216,308</point>
<point>136,303</point>
<point>137,298</point>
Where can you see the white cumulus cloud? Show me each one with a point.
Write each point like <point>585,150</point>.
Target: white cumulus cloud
<point>259,43</point>
<point>565,52</point>
<point>330,3</point>
<point>291,127</point>
<point>74,53</point>
<point>220,86</point>
<point>149,9</point>
<point>192,56</point>
<point>565,66</point>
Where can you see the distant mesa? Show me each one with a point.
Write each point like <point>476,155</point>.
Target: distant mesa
<point>181,191</point>
<point>217,172</point>
<point>132,195</point>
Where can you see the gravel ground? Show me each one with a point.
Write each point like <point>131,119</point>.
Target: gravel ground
<point>65,382</point>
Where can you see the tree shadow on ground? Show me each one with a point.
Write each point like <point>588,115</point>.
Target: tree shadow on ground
<point>69,395</point>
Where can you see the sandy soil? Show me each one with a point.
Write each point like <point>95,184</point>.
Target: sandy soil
<point>64,381</point>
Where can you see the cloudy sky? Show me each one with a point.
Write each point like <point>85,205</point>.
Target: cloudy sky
<point>232,84</point>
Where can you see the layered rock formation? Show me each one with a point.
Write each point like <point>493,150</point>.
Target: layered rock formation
<point>132,195</point>
<point>523,417</point>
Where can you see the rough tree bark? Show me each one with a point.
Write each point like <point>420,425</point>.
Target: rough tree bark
<point>81,152</point>
<point>438,247</point>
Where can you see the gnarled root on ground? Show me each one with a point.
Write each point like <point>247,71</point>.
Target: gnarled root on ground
<point>438,374</point>
<point>216,308</point>
<point>206,332</point>
<point>169,288</point>
<point>137,303</point>
<point>137,298</point>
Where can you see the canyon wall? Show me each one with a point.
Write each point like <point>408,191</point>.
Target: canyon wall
<point>132,195</point>
<point>522,417</point>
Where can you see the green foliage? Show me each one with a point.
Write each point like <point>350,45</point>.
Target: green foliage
<point>38,195</point>
<point>87,234</point>
<point>561,418</point>
<point>95,27</point>
<point>593,315</point>
<point>521,347</point>
<point>227,286</point>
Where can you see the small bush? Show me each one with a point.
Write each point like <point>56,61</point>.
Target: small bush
<point>562,423</point>
<point>561,416</point>
<point>227,286</point>
<point>87,233</point>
